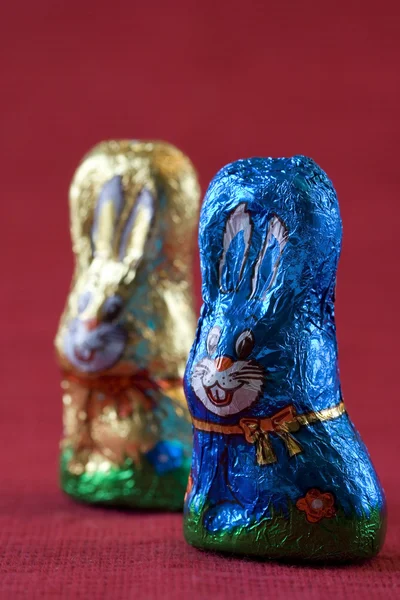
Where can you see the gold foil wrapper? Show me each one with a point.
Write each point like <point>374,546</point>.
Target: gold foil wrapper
<point>128,325</point>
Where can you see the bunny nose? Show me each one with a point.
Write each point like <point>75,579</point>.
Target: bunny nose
<point>91,324</point>
<point>223,362</point>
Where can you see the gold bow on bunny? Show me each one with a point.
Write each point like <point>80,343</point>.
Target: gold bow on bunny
<point>283,423</point>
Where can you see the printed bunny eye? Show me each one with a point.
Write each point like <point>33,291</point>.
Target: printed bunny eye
<point>244,344</point>
<point>112,308</point>
<point>83,301</point>
<point>212,339</point>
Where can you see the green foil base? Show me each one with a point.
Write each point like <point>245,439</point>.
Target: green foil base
<point>129,486</point>
<point>340,539</point>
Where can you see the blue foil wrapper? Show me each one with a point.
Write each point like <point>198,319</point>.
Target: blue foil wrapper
<point>278,469</point>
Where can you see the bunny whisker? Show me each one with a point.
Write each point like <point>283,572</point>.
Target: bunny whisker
<point>245,381</point>
<point>247,374</point>
<point>200,371</point>
<point>249,371</point>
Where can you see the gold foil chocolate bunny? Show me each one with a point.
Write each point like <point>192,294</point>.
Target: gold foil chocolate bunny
<point>128,325</point>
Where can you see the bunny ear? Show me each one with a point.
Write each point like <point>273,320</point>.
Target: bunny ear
<point>236,243</point>
<point>107,212</point>
<point>268,260</point>
<point>137,228</point>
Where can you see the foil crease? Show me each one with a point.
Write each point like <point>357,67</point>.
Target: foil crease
<point>278,469</point>
<point>127,327</point>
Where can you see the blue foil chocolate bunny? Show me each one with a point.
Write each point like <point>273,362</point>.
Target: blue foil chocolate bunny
<point>278,469</point>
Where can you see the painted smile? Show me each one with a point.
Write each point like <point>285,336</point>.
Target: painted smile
<point>220,396</point>
<point>84,354</point>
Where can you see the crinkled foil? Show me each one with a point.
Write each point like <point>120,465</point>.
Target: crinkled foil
<point>278,469</point>
<point>127,327</point>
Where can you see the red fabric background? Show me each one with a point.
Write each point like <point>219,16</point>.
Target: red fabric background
<point>221,80</point>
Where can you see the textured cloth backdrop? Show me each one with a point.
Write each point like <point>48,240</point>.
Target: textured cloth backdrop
<point>221,81</point>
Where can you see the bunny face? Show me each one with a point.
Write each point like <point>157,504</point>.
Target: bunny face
<point>228,385</point>
<point>260,263</point>
<point>96,337</point>
<point>229,382</point>
<point>133,206</point>
<point>96,333</point>
<point>94,349</point>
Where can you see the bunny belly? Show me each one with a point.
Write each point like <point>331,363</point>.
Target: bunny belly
<point>232,495</point>
<point>128,449</point>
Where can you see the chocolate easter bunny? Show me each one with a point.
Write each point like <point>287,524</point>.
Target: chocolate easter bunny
<point>127,327</point>
<point>278,469</point>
